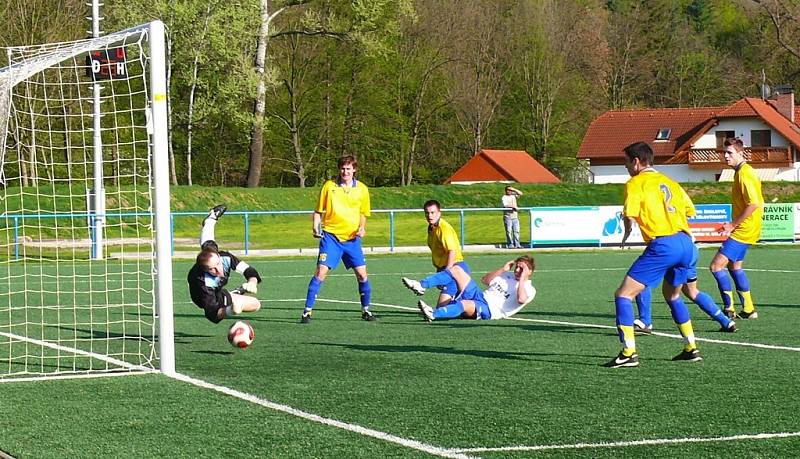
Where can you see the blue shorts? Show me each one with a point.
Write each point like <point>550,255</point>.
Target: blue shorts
<point>669,257</point>
<point>733,249</point>
<point>691,273</point>
<point>331,251</point>
<point>475,294</point>
<point>451,288</point>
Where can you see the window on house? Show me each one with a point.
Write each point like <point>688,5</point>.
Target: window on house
<point>761,138</point>
<point>721,136</point>
<point>663,134</point>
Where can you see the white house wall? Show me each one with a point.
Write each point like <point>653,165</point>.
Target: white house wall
<point>790,175</point>
<point>742,128</point>
<point>677,172</point>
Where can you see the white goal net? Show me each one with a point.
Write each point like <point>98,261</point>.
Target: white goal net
<point>84,210</point>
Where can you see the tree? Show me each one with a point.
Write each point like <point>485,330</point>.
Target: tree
<point>478,50</point>
<point>559,52</point>
<point>419,57</point>
<point>303,41</point>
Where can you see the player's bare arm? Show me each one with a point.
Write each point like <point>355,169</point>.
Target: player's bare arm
<point>362,227</point>
<point>506,267</point>
<point>316,227</point>
<point>728,227</point>
<point>524,275</point>
<point>451,259</point>
<point>628,226</point>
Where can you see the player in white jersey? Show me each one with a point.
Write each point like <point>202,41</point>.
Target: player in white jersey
<point>509,290</point>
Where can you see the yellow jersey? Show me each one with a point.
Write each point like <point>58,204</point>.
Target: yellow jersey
<point>746,191</point>
<point>658,204</point>
<point>343,207</point>
<point>442,238</point>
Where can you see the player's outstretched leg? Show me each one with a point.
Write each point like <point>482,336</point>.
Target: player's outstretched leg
<point>215,213</point>
<point>413,285</point>
<point>209,224</point>
<point>702,299</point>
<point>427,311</point>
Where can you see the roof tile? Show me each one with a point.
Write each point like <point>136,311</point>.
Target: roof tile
<point>503,165</point>
<point>612,131</point>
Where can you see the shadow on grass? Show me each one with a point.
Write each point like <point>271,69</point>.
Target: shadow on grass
<point>206,352</point>
<point>571,315</point>
<point>488,354</point>
<point>779,306</point>
<point>87,333</point>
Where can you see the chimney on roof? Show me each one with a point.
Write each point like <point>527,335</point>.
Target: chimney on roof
<point>784,101</point>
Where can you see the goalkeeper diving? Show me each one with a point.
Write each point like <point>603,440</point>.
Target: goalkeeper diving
<point>209,275</point>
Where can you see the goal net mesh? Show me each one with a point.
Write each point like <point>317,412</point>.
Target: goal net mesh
<point>76,278</point>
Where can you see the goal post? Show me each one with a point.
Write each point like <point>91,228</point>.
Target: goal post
<point>85,227</point>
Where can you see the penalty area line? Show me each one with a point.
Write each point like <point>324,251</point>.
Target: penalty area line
<point>622,444</point>
<point>408,443</point>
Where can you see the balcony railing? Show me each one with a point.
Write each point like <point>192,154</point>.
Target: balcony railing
<point>757,157</point>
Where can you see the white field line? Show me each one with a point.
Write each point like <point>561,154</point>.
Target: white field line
<point>413,444</point>
<point>425,273</point>
<point>576,324</point>
<point>120,363</point>
<point>662,441</point>
<point>424,447</point>
<point>620,444</point>
<point>538,271</point>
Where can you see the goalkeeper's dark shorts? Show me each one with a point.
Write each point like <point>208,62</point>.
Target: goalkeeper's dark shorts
<point>224,300</point>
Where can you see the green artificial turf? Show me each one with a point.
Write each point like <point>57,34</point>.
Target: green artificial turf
<point>535,380</point>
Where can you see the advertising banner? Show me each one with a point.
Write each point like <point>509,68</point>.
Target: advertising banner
<point>797,221</point>
<point>588,225</point>
<point>564,225</point>
<point>778,222</point>
<point>603,225</point>
<point>705,225</point>
<point>613,227</point>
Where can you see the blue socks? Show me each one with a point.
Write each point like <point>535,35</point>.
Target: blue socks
<point>680,313</point>
<point>436,280</point>
<point>624,312</point>
<point>364,293</point>
<point>643,305</point>
<point>314,287</point>
<point>624,308</point>
<point>708,306</point>
<point>450,311</point>
<point>740,279</point>
<point>724,284</point>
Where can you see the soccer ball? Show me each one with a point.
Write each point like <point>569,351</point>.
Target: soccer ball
<point>241,334</point>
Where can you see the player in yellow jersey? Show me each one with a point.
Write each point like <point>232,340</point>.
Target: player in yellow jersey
<point>742,232</point>
<point>339,222</point>
<point>445,253</point>
<point>660,207</point>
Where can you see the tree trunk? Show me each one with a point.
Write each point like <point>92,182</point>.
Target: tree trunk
<point>190,123</point>
<point>348,112</point>
<point>257,133</point>
<point>295,130</point>
<point>170,146</point>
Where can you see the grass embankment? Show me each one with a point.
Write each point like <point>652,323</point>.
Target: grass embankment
<point>294,231</point>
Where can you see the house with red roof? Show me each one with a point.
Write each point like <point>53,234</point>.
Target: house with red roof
<point>687,142</point>
<point>505,166</point>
